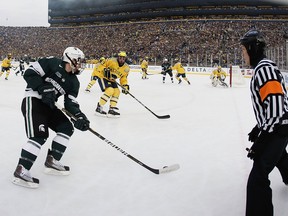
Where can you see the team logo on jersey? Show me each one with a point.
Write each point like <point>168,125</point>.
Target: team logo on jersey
<point>41,128</point>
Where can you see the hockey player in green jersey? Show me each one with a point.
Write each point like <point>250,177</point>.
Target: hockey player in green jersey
<point>166,69</point>
<point>47,80</point>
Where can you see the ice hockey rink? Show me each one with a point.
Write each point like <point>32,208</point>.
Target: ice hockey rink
<point>206,135</point>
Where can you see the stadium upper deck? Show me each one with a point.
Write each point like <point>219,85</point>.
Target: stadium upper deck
<point>73,12</point>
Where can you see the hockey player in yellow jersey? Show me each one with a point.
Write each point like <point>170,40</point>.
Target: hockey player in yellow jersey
<point>114,68</point>
<point>180,71</point>
<point>6,65</point>
<point>144,67</point>
<point>218,76</point>
<point>98,68</point>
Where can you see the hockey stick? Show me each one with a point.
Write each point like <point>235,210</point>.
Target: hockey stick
<point>158,116</point>
<point>154,73</point>
<point>165,169</point>
<point>158,72</point>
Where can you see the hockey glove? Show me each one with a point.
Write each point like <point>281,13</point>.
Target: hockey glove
<point>253,135</point>
<point>107,73</point>
<point>125,89</point>
<point>259,145</point>
<point>47,91</point>
<point>81,122</point>
<point>94,78</point>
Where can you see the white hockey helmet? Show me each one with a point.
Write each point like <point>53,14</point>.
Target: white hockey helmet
<point>75,57</point>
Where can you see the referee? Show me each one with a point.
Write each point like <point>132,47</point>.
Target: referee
<point>270,135</point>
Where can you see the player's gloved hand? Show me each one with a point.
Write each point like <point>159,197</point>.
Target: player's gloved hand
<point>107,73</point>
<point>81,122</point>
<point>48,94</point>
<point>125,89</point>
<point>258,146</point>
<point>94,78</point>
<point>253,135</point>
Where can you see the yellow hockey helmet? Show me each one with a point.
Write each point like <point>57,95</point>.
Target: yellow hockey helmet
<point>122,54</point>
<point>102,60</point>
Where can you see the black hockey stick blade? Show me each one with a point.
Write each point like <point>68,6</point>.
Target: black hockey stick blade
<point>163,117</point>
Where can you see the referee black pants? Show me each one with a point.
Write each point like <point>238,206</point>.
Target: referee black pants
<point>259,193</point>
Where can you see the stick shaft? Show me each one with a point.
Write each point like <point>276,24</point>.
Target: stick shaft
<point>160,117</point>
<point>156,171</point>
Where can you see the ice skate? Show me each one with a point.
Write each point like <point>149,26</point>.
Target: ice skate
<point>54,167</point>
<point>22,177</point>
<point>99,110</point>
<point>113,112</point>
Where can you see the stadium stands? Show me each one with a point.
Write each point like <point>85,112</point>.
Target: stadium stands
<point>199,39</point>
<point>74,12</point>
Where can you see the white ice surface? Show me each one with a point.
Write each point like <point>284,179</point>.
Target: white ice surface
<point>206,135</point>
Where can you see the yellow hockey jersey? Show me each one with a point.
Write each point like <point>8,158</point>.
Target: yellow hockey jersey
<point>6,63</point>
<point>179,68</point>
<point>97,69</point>
<point>217,73</point>
<point>144,64</point>
<point>115,70</point>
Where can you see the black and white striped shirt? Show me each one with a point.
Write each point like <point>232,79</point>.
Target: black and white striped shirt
<point>268,94</point>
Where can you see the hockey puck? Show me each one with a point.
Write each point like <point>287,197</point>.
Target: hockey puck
<point>164,167</point>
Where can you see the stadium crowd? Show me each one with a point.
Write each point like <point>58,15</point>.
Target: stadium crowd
<point>194,41</point>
